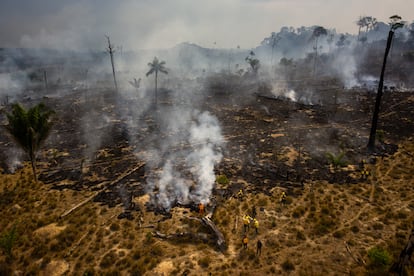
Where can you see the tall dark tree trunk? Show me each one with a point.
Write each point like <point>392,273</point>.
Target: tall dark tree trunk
<point>371,142</point>
<point>315,58</point>
<point>113,71</point>
<point>45,79</point>
<point>156,89</point>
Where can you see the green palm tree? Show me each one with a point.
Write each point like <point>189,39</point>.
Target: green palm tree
<point>30,128</point>
<point>155,67</point>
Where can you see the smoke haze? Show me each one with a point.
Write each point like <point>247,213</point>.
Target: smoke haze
<point>162,24</point>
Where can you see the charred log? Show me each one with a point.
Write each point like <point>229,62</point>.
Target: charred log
<point>220,241</point>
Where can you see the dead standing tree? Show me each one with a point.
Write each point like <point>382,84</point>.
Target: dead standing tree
<point>111,52</point>
<point>395,24</point>
<point>317,32</point>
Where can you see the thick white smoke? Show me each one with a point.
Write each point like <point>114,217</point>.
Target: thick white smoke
<point>206,139</point>
<point>187,158</point>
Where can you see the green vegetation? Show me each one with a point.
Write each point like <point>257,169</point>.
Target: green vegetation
<point>336,161</point>
<point>8,240</point>
<point>379,258</point>
<point>30,128</point>
<point>222,179</point>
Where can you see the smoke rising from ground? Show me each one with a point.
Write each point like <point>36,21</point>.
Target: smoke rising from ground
<point>182,168</point>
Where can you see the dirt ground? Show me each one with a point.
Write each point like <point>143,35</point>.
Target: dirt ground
<point>328,224</point>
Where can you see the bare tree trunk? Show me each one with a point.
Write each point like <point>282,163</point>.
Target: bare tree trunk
<point>316,57</point>
<point>45,79</point>
<point>156,89</point>
<point>33,163</point>
<point>371,142</point>
<point>111,54</point>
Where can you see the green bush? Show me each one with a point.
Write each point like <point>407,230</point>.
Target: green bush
<point>379,257</point>
<point>222,179</point>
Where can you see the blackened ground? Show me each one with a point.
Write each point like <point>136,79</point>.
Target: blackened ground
<point>259,135</point>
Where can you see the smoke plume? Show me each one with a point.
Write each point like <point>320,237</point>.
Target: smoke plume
<point>187,160</point>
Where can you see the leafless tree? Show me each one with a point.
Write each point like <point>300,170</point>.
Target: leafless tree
<point>395,23</point>
<point>111,52</point>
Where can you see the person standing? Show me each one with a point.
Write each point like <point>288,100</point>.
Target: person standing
<point>245,240</point>
<point>256,225</point>
<point>259,248</point>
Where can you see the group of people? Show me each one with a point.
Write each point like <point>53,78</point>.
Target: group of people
<point>259,245</point>
<point>247,220</point>
<point>363,170</point>
<point>252,220</point>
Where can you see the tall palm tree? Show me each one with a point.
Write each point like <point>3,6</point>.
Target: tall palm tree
<point>30,128</point>
<point>155,67</point>
<point>394,25</point>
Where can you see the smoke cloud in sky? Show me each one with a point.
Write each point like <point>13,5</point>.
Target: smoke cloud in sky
<point>141,24</point>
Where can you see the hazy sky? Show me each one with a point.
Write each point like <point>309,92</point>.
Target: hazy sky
<point>137,24</point>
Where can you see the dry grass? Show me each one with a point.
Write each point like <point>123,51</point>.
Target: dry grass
<point>305,237</point>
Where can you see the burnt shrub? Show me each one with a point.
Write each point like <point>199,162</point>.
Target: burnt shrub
<point>288,265</point>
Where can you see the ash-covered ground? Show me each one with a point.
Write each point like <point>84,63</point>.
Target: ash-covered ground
<point>239,128</point>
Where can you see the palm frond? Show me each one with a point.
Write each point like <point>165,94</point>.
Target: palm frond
<point>152,70</point>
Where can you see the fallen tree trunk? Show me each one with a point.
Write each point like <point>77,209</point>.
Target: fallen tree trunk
<point>220,241</point>
<point>104,184</point>
<point>219,237</point>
